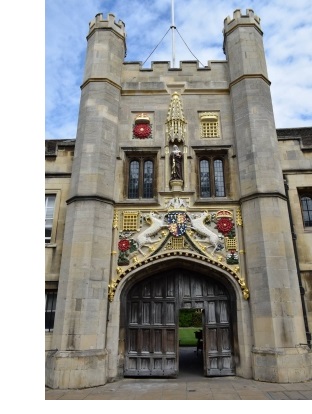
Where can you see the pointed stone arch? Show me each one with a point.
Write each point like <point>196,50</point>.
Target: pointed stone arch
<point>193,263</point>
<point>193,257</point>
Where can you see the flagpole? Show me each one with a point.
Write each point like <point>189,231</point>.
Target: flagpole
<point>172,28</point>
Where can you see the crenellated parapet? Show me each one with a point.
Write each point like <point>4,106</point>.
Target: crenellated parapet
<point>214,76</point>
<point>239,19</point>
<point>99,23</point>
<point>103,63</point>
<point>243,47</point>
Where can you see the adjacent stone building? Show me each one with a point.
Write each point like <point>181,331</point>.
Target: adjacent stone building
<point>178,193</point>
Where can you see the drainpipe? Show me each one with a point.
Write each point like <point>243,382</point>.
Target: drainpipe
<point>301,288</point>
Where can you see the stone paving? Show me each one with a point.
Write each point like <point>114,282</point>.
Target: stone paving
<point>226,388</point>
<point>190,385</point>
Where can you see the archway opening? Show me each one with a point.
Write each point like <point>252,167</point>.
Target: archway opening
<point>190,342</point>
<point>150,324</point>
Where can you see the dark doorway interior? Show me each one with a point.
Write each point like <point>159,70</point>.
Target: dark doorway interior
<point>190,363</point>
<point>190,343</point>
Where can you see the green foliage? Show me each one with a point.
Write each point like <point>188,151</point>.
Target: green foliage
<point>189,322</point>
<point>190,318</point>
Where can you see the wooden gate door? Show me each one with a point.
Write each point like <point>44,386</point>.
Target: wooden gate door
<point>217,333</point>
<point>197,292</point>
<point>152,313</point>
<point>152,337</point>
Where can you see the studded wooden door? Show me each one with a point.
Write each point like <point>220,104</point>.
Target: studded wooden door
<point>153,305</point>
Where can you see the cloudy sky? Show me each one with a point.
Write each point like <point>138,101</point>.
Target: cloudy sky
<point>287,39</point>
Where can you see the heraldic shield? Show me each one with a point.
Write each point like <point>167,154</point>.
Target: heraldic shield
<point>177,222</point>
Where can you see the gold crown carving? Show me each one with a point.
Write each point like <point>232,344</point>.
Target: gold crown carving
<point>171,208</point>
<point>224,213</point>
<point>142,119</point>
<point>208,117</point>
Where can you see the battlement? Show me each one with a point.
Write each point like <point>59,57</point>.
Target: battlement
<point>250,18</point>
<point>165,66</point>
<point>99,23</point>
<point>214,75</point>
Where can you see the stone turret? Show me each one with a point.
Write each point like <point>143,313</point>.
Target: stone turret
<point>248,57</point>
<point>252,106</point>
<point>106,49</point>
<point>81,315</point>
<point>270,265</point>
<point>99,106</point>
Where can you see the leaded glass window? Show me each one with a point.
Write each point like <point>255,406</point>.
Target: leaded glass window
<point>148,179</point>
<point>141,179</point>
<point>219,178</point>
<point>211,176</point>
<point>134,170</point>
<point>204,179</point>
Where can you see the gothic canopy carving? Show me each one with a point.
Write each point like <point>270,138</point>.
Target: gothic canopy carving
<point>176,123</point>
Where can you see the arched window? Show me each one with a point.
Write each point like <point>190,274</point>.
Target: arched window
<point>134,171</point>
<point>211,177</point>
<point>141,181</point>
<point>148,179</point>
<point>204,179</point>
<point>219,178</point>
<point>306,207</point>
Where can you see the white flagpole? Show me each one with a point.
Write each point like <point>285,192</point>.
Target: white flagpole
<point>172,28</point>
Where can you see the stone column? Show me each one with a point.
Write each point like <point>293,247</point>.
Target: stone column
<point>82,301</point>
<point>276,311</point>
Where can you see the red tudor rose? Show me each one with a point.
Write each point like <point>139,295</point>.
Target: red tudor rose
<point>224,225</point>
<point>142,131</point>
<point>124,245</point>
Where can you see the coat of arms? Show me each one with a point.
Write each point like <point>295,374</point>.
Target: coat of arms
<point>177,222</point>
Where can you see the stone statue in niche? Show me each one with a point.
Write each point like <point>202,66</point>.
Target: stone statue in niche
<point>176,159</point>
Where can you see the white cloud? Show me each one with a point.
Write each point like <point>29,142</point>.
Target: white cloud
<point>287,40</point>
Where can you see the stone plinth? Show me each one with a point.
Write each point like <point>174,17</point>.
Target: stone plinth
<point>76,369</point>
<point>176,185</point>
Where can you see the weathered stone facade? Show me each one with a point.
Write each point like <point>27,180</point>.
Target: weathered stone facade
<point>179,168</point>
